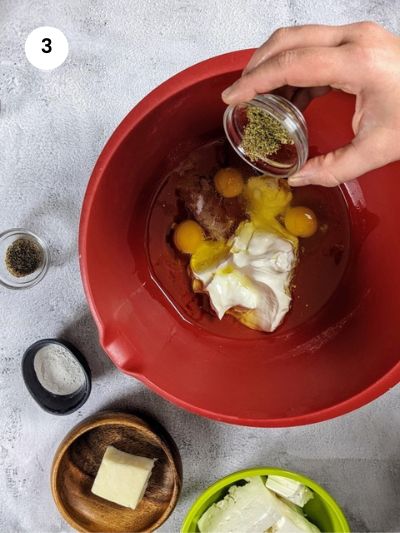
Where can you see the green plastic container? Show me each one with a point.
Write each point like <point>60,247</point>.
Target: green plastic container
<point>322,510</point>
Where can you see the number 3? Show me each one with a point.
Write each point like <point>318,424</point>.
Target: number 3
<point>47,45</point>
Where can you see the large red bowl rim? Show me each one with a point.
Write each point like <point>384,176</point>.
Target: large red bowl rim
<point>204,70</point>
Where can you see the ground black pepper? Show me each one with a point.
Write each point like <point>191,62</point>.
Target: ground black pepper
<point>23,257</point>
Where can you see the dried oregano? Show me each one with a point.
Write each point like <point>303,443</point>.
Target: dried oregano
<point>263,134</point>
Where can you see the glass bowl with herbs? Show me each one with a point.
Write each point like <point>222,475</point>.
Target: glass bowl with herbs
<point>269,133</point>
<point>24,259</point>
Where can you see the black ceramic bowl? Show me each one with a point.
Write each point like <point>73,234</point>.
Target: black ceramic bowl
<point>55,403</point>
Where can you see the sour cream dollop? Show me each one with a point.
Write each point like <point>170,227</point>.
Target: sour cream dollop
<point>252,280</point>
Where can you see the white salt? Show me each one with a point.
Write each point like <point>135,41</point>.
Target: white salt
<point>57,370</point>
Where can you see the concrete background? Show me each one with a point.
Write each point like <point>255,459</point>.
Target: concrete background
<point>52,128</point>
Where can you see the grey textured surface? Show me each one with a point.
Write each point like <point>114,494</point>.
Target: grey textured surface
<point>52,128</point>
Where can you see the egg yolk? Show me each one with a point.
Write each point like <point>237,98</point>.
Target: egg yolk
<point>301,221</point>
<point>267,198</point>
<point>188,236</point>
<point>228,182</point>
<point>208,254</point>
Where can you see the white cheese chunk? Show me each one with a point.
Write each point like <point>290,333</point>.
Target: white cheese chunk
<point>122,477</point>
<point>253,508</point>
<point>250,508</point>
<point>290,489</point>
<point>294,524</point>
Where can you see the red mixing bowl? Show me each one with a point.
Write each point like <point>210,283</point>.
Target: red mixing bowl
<point>344,356</point>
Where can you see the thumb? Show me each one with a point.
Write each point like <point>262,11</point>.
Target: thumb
<point>349,162</point>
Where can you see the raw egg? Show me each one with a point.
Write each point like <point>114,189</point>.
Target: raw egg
<point>208,254</point>
<point>228,182</point>
<point>267,198</point>
<point>301,221</point>
<point>188,236</point>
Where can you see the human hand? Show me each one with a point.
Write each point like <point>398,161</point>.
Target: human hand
<point>362,59</point>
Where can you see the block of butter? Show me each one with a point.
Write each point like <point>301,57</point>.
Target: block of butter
<point>122,478</point>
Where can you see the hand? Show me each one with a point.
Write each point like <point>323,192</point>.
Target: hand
<point>362,59</point>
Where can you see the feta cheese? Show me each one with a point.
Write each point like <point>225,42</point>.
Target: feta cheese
<point>250,508</point>
<point>290,489</point>
<point>295,523</point>
<point>122,478</point>
<point>253,508</point>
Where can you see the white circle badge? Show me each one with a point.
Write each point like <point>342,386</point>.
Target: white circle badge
<point>46,48</point>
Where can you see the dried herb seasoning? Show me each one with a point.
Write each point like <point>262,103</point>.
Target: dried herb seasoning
<point>263,135</point>
<point>23,257</point>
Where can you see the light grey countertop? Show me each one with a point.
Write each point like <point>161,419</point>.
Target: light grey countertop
<point>53,126</point>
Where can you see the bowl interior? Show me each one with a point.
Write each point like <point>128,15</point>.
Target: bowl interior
<point>76,464</point>
<point>339,358</point>
<point>322,510</point>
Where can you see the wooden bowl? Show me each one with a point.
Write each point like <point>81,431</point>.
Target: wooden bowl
<point>78,458</point>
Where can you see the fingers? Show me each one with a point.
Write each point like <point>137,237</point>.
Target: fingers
<point>304,67</point>
<point>302,97</point>
<point>297,37</point>
<point>286,91</point>
<point>346,163</point>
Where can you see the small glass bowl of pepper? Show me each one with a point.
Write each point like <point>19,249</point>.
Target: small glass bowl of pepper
<point>269,133</point>
<point>24,259</point>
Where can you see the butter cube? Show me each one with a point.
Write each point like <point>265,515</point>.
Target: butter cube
<point>122,477</point>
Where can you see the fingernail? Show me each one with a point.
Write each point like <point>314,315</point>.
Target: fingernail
<point>298,180</point>
<point>225,94</point>
<point>228,91</point>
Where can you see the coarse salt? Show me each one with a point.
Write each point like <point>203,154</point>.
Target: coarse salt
<point>57,370</point>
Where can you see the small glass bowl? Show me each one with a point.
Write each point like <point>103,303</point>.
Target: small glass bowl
<point>288,116</point>
<point>13,282</point>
